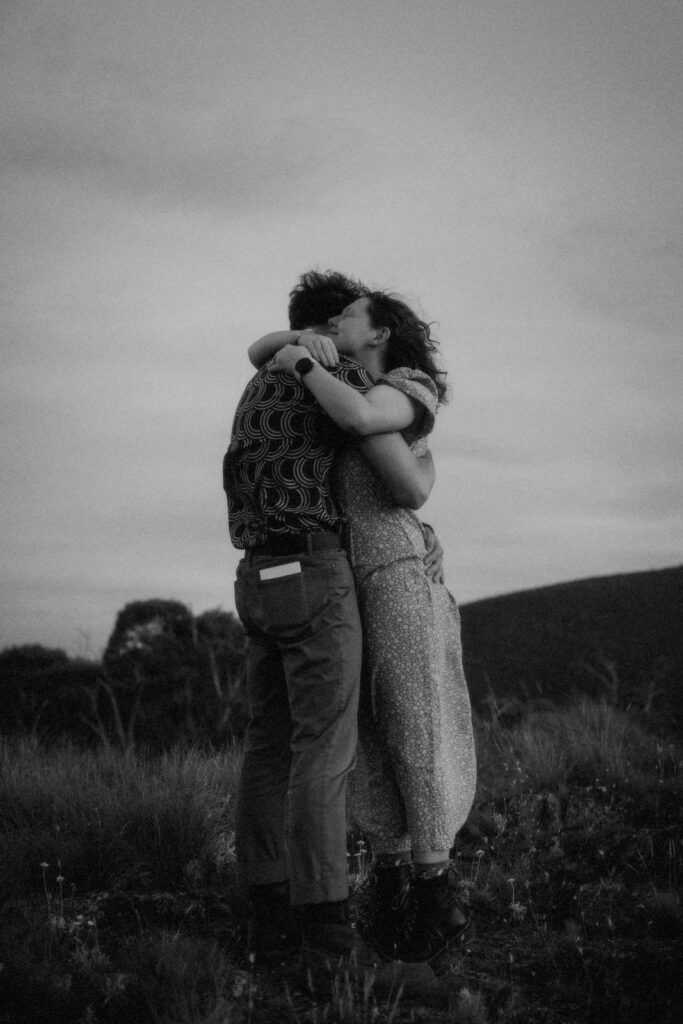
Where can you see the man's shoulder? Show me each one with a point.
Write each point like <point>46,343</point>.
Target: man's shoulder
<point>266,376</point>
<point>352,373</point>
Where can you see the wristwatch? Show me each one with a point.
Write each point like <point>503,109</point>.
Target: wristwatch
<point>304,366</point>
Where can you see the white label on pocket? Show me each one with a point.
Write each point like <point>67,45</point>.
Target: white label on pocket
<point>288,569</point>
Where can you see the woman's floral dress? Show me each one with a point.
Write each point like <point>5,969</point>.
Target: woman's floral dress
<point>416,770</point>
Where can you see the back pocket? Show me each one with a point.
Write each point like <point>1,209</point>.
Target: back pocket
<point>284,601</point>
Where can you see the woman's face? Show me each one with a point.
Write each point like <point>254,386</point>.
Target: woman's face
<point>352,330</point>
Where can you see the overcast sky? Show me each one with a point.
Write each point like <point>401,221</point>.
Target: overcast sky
<point>511,167</point>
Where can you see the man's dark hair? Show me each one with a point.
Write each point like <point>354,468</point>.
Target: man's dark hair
<point>319,296</point>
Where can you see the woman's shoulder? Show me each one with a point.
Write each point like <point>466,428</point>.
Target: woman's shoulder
<point>415,383</point>
<point>419,386</point>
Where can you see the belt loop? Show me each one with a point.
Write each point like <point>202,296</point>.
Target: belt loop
<point>309,543</point>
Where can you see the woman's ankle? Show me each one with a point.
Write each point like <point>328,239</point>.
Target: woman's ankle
<point>423,871</point>
<point>384,861</point>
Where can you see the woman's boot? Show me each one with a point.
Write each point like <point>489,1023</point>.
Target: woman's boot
<point>388,906</point>
<point>436,920</point>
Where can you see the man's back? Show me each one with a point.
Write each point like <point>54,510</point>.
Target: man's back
<point>277,469</point>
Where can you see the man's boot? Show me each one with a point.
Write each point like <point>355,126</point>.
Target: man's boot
<point>331,941</point>
<point>273,925</point>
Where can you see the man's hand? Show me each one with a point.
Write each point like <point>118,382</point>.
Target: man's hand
<point>320,347</point>
<point>433,560</point>
<point>286,359</point>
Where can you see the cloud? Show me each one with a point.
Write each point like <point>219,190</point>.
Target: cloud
<point>170,168</point>
<point>661,501</point>
<point>492,453</point>
<point>627,269</point>
<point>243,161</point>
<point>168,118</point>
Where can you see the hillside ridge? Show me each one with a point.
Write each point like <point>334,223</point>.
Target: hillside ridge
<point>617,638</point>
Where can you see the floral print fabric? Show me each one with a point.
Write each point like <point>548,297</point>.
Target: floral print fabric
<point>416,769</point>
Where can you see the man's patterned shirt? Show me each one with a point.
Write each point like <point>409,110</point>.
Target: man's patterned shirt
<point>277,469</point>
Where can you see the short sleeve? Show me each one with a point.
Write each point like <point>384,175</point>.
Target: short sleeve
<point>421,388</point>
<point>353,374</point>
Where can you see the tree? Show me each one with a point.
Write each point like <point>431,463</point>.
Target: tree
<point>221,639</point>
<point>44,692</point>
<point>173,678</point>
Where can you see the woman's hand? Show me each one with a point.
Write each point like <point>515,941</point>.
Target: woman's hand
<point>433,560</point>
<point>263,350</point>
<point>286,359</point>
<point>322,349</point>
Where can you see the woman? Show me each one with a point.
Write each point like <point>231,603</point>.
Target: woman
<point>416,773</point>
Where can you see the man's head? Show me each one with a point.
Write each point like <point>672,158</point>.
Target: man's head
<point>319,296</point>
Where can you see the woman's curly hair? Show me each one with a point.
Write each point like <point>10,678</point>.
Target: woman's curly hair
<point>410,341</point>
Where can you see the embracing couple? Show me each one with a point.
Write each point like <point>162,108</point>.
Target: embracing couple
<point>353,656</point>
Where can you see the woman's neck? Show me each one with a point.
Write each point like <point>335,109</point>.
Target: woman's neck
<point>372,360</point>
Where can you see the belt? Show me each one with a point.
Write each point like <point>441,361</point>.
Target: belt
<point>298,543</point>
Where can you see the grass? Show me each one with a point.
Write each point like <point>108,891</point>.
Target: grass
<point>114,820</point>
<point>119,901</point>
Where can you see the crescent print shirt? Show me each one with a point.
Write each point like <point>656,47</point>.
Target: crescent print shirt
<point>277,469</point>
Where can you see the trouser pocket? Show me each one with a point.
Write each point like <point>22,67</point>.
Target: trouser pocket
<point>287,598</point>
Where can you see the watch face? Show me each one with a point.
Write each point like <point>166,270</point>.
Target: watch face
<point>303,366</point>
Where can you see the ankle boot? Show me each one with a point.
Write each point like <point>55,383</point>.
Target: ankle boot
<point>273,926</point>
<point>437,921</point>
<point>331,941</point>
<point>387,907</point>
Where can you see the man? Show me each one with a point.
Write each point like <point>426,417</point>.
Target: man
<point>295,596</point>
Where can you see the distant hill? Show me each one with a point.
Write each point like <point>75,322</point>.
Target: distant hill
<point>618,638</point>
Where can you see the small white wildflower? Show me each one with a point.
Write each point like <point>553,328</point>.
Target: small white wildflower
<point>239,983</point>
<point>500,821</point>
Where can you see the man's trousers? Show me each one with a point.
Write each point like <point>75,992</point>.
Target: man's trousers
<point>303,675</point>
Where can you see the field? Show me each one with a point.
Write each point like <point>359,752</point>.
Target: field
<point>119,902</point>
